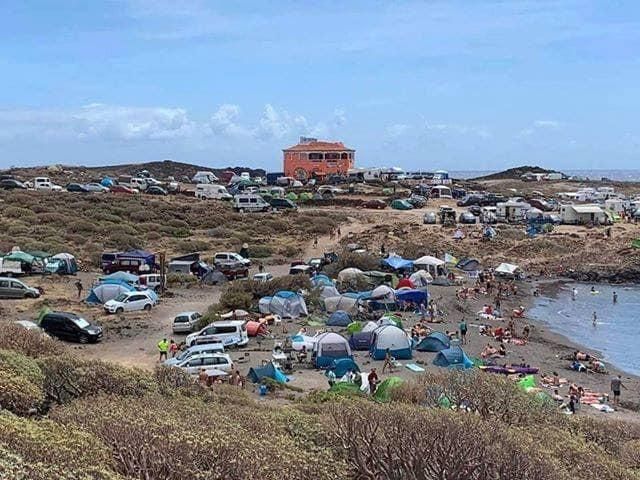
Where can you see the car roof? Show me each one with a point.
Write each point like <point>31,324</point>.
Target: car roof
<point>210,354</point>
<point>228,323</point>
<point>205,346</point>
<point>185,313</point>
<point>63,314</point>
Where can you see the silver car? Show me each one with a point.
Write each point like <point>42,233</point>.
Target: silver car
<point>208,361</point>
<point>185,322</point>
<point>195,350</point>
<point>12,288</point>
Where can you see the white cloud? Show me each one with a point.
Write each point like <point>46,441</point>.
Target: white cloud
<point>539,126</point>
<point>225,122</point>
<point>457,129</point>
<point>396,130</point>
<point>547,124</point>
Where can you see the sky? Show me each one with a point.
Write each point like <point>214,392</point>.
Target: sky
<point>455,84</point>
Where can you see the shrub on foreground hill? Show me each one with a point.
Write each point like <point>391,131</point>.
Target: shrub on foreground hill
<point>28,342</point>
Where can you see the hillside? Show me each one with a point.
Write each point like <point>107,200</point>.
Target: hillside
<point>514,173</point>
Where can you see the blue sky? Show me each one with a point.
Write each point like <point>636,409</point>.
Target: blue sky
<point>463,85</point>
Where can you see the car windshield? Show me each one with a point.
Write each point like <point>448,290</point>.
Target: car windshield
<point>81,322</point>
<point>121,298</point>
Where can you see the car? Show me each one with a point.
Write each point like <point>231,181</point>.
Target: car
<point>375,203</point>
<point>208,361</point>
<point>232,332</point>
<point>77,187</point>
<point>399,204</point>
<point>475,210</point>
<point>470,200</point>
<point>122,189</point>
<point>12,288</point>
<point>129,302</point>
<point>69,326</point>
<point>12,184</point>
<point>156,190</point>
<point>185,322</point>
<point>96,187</point>
<point>429,218</point>
<point>300,270</point>
<point>195,350</point>
<point>263,277</point>
<point>152,182</point>
<point>282,204</point>
<point>540,204</point>
<point>467,217</point>
<point>418,201</point>
<point>226,257</point>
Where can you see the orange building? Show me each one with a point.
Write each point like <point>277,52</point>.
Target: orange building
<point>313,159</point>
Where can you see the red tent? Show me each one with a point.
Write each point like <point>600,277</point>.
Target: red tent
<point>256,328</point>
<point>405,283</point>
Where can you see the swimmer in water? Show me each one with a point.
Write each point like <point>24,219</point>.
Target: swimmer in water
<point>574,293</point>
<point>595,318</point>
<point>615,297</point>
<point>593,289</point>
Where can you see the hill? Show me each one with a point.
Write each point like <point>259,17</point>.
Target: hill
<point>514,173</point>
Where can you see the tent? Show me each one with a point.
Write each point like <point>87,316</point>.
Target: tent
<point>396,262</point>
<point>62,264</point>
<point>383,294</point>
<point>121,277</point>
<point>405,283</point>
<point>392,338</point>
<point>370,327</point>
<point>468,265</point>
<point>415,296</point>
<point>256,328</point>
<point>339,318</point>
<point>342,302</point>
<point>389,319</point>
<point>256,374</point>
<point>453,357</point>
<point>299,341</point>
<point>103,292</point>
<point>342,366</point>
<point>354,327</point>
<point>321,280</point>
<point>383,392</point>
<point>329,347</point>
<point>373,277</point>
<point>360,340</point>
<point>434,342</point>
<point>508,270</point>
<point>285,303</point>
<point>106,182</point>
<point>328,291</point>
<point>421,278</point>
<point>350,274</point>
<point>214,277</point>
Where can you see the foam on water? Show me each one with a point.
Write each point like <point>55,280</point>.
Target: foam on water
<point>617,330</point>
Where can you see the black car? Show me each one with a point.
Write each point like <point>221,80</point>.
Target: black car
<point>77,187</point>
<point>282,204</point>
<point>470,200</point>
<point>69,326</point>
<point>155,190</point>
<point>12,184</point>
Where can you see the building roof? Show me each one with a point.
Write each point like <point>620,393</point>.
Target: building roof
<point>586,208</point>
<point>319,146</point>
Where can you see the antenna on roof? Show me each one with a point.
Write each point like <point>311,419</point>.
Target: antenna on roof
<point>307,140</point>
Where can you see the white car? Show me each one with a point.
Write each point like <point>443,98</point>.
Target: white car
<point>263,277</point>
<point>208,361</point>
<point>129,302</point>
<point>96,187</point>
<point>229,333</point>
<point>185,322</point>
<point>231,257</point>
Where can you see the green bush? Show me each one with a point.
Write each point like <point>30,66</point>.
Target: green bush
<point>17,393</point>
<point>21,365</point>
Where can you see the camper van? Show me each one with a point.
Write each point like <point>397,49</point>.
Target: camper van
<point>209,191</point>
<point>204,177</point>
<point>229,333</point>
<point>43,183</point>
<point>10,267</point>
<point>250,203</point>
<point>139,183</point>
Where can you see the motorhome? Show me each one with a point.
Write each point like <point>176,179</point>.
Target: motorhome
<point>215,192</point>
<point>582,214</point>
<point>204,177</point>
<point>441,191</point>
<point>512,211</point>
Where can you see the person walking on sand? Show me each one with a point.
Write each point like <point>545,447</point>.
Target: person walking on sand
<point>315,241</point>
<point>372,378</point>
<point>615,297</point>
<point>388,361</point>
<point>163,348</point>
<point>79,287</point>
<point>463,331</point>
<point>595,319</point>
<point>574,294</point>
<point>616,384</point>
<point>173,348</point>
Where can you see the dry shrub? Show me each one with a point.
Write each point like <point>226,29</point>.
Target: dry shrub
<point>18,394</point>
<point>245,294</point>
<point>28,342</point>
<point>630,454</point>
<point>609,434</point>
<point>19,364</point>
<point>364,262</point>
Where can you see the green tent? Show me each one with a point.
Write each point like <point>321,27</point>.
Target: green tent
<point>394,319</point>
<point>292,196</point>
<point>383,392</point>
<point>345,388</point>
<point>19,256</point>
<point>305,196</point>
<point>527,382</point>
<point>39,254</point>
<point>636,243</point>
<point>354,327</point>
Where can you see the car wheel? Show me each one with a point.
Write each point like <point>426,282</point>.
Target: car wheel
<point>83,339</point>
<point>147,307</point>
<point>119,310</point>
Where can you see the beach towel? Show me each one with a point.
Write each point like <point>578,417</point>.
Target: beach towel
<point>414,368</point>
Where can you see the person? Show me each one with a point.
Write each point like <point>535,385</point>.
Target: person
<point>616,384</point>
<point>502,350</point>
<point>163,348</point>
<point>382,250</point>
<point>593,289</point>
<point>315,241</point>
<point>388,361</point>
<point>463,331</point>
<point>173,348</point>
<point>79,287</point>
<point>574,294</point>
<point>331,376</point>
<point>488,351</point>
<point>260,267</point>
<point>373,381</point>
<point>555,379</point>
<point>203,377</point>
<point>526,331</point>
<point>557,397</point>
<point>339,233</point>
<point>595,319</point>
<point>615,297</point>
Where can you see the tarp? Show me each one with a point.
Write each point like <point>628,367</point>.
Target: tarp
<point>507,268</point>
<point>20,256</point>
<point>339,318</point>
<point>416,296</point>
<point>256,374</point>
<point>396,262</point>
<point>147,257</point>
<point>428,260</point>
<point>383,392</point>
<point>393,339</point>
<point>434,342</point>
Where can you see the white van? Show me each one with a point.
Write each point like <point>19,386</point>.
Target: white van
<point>245,176</point>
<point>44,183</point>
<point>204,177</point>
<point>229,333</point>
<point>250,203</point>
<point>139,183</point>
<point>216,192</point>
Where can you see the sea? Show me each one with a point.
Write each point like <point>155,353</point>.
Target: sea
<point>616,334</point>
<point>616,175</point>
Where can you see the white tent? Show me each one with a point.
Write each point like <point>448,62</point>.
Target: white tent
<point>284,303</point>
<point>349,274</point>
<point>341,302</point>
<point>421,278</point>
<point>383,294</point>
<point>509,270</point>
<point>428,260</point>
<point>392,338</point>
<point>330,346</point>
<point>370,327</point>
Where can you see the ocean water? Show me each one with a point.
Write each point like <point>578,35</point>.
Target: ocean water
<point>617,175</point>
<point>617,331</point>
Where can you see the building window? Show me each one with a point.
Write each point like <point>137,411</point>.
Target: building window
<point>345,156</point>
<point>302,156</point>
<point>316,156</point>
<point>332,156</point>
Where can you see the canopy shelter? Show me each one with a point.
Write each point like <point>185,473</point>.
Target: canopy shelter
<point>396,262</point>
<point>509,270</point>
<point>433,265</point>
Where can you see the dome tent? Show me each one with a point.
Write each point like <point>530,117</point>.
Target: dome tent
<point>339,318</point>
<point>342,366</point>
<point>361,340</point>
<point>328,348</point>
<point>383,294</point>
<point>421,278</point>
<point>393,339</point>
<point>285,303</point>
<point>434,342</point>
<point>453,357</point>
<point>108,290</point>
<point>349,274</point>
<point>341,302</point>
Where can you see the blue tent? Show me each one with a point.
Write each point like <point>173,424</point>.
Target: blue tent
<point>256,374</point>
<point>453,357</point>
<point>434,342</point>
<point>361,340</point>
<point>121,277</point>
<point>339,318</point>
<point>106,182</point>
<point>342,366</point>
<point>392,338</point>
<point>415,296</point>
<point>321,280</point>
<point>108,290</point>
<point>397,263</point>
